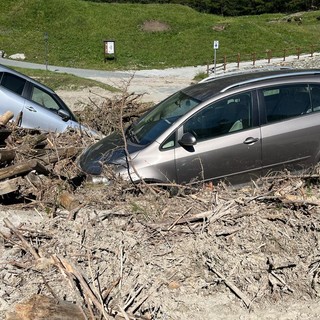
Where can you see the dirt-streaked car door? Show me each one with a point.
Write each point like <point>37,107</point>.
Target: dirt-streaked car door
<point>228,142</point>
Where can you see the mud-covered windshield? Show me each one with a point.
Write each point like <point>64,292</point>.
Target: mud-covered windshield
<point>150,126</point>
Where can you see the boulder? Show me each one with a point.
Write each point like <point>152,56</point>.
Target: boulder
<point>18,56</point>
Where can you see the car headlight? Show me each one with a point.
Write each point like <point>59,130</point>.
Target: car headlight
<point>99,180</point>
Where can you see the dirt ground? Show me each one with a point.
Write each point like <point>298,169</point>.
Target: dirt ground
<point>212,252</point>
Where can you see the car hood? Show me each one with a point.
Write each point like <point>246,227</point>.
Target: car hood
<point>109,150</point>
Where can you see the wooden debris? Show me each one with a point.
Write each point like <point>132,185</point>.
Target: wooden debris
<point>7,156</point>
<point>28,154</point>
<point>40,307</point>
<point>4,134</point>
<point>68,201</point>
<point>25,243</point>
<point>22,169</point>
<point>246,300</point>
<point>6,117</point>
<point>10,185</point>
<point>59,154</point>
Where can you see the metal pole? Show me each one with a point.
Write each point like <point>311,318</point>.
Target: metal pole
<point>215,60</point>
<point>46,38</point>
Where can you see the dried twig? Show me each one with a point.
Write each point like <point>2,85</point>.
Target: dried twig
<point>230,285</point>
<point>27,246</point>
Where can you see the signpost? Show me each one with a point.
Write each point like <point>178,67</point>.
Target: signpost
<point>109,50</point>
<point>46,39</point>
<point>215,48</point>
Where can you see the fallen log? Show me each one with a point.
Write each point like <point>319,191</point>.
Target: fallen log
<point>22,169</point>
<point>10,185</point>
<point>6,117</point>
<point>59,154</point>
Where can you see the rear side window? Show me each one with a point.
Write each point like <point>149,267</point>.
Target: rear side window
<point>285,102</point>
<point>315,97</point>
<point>13,83</point>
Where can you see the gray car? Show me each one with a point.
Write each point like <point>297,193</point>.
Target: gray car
<point>36,105</point>
<point>237,127</point>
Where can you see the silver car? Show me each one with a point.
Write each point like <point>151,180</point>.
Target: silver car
<point>236,127</point>
<point>36,105</point>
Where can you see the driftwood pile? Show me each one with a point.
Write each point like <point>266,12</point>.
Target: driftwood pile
<point>38,167</point>
<point>143,257</point>
<point>149,255</point>
<point>113,113</point>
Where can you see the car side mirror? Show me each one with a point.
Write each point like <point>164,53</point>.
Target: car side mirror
<point>188,140</point>
<point>64,115</point>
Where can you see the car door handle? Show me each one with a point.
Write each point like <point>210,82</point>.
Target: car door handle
<point>32,109</point>
<point>250,140</point>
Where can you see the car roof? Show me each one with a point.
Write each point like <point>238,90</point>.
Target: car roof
<point>21,75</point>
<point>213,86</point>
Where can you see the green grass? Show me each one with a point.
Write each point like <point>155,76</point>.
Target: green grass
<point>78,28</point>
<point>64,81</point>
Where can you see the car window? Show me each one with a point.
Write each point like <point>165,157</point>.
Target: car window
<point>224,117</point>
<point>13,83</point>
<point>44,99</point>
<point>169,142</point>
<point>284,102</point>
<point>315,97</point>
<point>151,125</point>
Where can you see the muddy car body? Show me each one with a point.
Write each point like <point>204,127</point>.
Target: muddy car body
<point>237,127</point>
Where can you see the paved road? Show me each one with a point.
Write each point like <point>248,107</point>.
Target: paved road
<point>154,84</point>
<point>84,73</point>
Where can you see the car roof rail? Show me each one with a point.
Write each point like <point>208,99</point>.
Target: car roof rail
<point>273,76</point>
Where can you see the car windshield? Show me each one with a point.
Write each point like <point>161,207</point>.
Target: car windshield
<point>150,126</point>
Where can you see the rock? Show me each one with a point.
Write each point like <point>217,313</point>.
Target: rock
<point>18,56</point>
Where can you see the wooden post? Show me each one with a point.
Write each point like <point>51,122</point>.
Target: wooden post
<point>224,63</point>
<point>254,59</point>
<point>238,60</point>
<point>298,52</point>
<point>284,54</point>
<point>269,55</point>
<point>312,50</point>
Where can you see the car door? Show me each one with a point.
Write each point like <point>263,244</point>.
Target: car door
<point>227,142</point>
<point>290,136</point>
<point>42,110</point>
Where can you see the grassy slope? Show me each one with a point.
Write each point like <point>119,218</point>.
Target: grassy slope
<point>77,29</point>
<point>64,81</point>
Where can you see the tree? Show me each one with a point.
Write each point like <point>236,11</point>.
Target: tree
<point>237,7</point>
